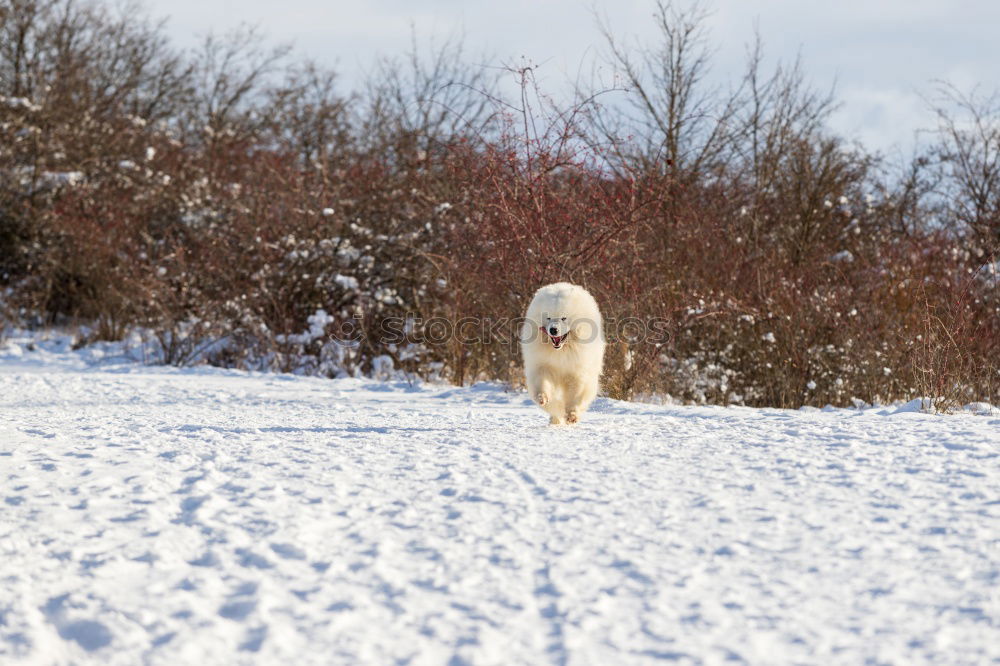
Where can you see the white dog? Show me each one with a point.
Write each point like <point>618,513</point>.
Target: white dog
<point>563,348</point>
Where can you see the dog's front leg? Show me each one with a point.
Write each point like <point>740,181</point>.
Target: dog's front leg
<point>540,386</point>
<point>581,395</point>
<point>543,394</point>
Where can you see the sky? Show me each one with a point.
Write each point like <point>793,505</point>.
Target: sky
<point>882,57</point>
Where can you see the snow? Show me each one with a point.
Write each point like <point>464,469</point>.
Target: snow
<point>202,516</point>
<point>19,103</point>
<point>318,321</point>
<point>62,178</point>
<point>347,282</point>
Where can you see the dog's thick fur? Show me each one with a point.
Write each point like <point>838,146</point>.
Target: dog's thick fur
<point>562,370</point>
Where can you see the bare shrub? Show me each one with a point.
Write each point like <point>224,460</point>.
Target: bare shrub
<point>238,209</point>
<point>968,147</point>
<point>954,354</point>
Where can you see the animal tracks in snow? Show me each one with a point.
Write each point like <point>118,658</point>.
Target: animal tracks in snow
<point>165,516</point>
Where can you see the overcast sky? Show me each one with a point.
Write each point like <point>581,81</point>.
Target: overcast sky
<point>883,55</point>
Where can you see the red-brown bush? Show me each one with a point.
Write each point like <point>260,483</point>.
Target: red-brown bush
<point>277,225</point>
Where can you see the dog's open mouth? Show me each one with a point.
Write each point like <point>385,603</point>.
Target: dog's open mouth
<point>557,340</point>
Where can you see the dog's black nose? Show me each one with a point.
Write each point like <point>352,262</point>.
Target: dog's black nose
<point>553,331</point>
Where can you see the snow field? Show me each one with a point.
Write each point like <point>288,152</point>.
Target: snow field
<point>163,516</point>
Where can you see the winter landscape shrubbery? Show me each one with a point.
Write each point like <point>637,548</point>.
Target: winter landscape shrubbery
<point>236,207</point>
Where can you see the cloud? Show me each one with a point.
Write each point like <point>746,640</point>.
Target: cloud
<point>880,52</point>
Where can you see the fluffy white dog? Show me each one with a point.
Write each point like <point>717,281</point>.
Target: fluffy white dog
<point>563,348</point>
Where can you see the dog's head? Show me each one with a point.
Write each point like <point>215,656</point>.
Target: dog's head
<point>562,316</point>
<point>555,329</point>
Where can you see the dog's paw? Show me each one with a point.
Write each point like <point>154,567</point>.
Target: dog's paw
<point>542,399</point>
<point>555,420</point>
<point>572,416</point>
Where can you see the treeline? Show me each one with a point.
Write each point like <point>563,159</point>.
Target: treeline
<point>241,209</point>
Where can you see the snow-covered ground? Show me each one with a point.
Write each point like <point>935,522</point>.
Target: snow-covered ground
<point>162,516</point>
